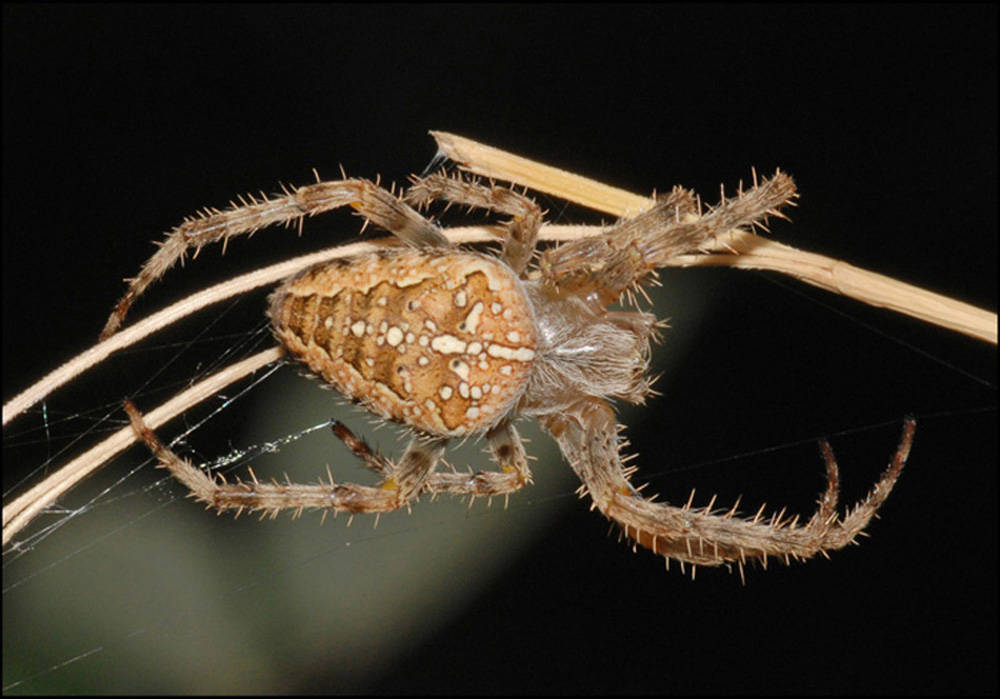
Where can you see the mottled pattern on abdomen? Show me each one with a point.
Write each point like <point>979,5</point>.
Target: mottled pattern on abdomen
<point>441,341</point>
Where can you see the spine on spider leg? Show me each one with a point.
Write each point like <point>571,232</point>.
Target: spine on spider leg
<point>197,481</point>
<point>522,229</point>
<point>273,497</point>
<point>651,239</point>
<point>242,218</point>
<point>616,262</point>
<point>588,436</point>
<point>576,263</point>
<point>748,209</point>
<point>253,495</point>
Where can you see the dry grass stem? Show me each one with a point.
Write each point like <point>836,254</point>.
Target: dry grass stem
<point>754,252</point>
<point>26,507</point>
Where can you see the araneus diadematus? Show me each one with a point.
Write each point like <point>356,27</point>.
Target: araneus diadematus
<point>454,343</point>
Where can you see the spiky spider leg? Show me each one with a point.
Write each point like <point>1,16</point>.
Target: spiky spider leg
<point>243,218</point>
<point>399,488</point>
<point>588,437</point>
<point>522,231</point>
<point>508,452</point>
<point>371,459</point>
<point>613,263</point>
<point>505,445</point>
<point>414,474</point>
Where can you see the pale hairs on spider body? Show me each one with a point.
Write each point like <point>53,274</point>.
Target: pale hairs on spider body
<point>454,343</point>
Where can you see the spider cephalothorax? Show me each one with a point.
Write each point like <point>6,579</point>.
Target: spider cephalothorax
<point>453,343</point>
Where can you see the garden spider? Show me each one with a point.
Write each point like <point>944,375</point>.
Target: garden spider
<point>454,343</point>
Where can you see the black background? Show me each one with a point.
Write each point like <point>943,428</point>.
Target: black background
<point>120,121</point>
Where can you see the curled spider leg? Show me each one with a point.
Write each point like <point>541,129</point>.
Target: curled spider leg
<point>522,230</point>
<point>588,437</point>
<point>245,217</point>
<point>508,450</point>
<point>402,485</point>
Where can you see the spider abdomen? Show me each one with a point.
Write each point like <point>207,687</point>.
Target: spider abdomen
<point>443,342</point>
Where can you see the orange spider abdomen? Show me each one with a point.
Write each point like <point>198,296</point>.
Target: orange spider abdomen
<point>442,342</point>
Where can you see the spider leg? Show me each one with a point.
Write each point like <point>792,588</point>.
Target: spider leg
<point>505,443</point>
<point>372,460</point>
<point>522,230</point>
<point>613,263</point>
<point>211,226</point>
<point>588,437</point>
<point>402,485</point>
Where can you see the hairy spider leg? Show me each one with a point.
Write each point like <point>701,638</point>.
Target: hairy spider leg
<point>522,230</point>
<point>588,436</point>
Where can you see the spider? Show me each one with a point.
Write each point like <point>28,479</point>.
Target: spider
<point>454,343</point>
